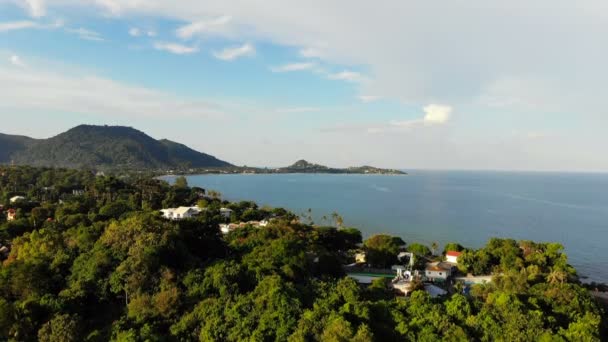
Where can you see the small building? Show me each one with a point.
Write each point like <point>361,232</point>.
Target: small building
<point>17,199</point>
<point>434,291</point>
<point>438,271</point>
<point>452,256</point>
<point>226,212</point>
<point>180,213</point>
<point>78,192</point>
<point>11,215</point>
<point>263,223</point>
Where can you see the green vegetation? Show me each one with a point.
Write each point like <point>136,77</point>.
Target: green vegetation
<point>105,148</point>
<point>91,259</point>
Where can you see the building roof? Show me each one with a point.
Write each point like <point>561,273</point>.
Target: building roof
<point>453,253</point>
<point>11,211</point>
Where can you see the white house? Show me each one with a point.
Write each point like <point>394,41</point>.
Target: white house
<point>17,199</point>
<point>452,256</point>
<point>438,271</point>
<point>226,212</point>
<point>180,213</point>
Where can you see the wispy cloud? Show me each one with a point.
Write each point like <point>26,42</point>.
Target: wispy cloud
<point>215,25</point>
<point>16,61</point>
<point>232,53</point>
<point>18,25</point>
<point>294,67</point>
<point>175,48</point>
<point>85,34</point>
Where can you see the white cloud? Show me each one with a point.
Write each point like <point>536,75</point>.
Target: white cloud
<point>174,48</point>
<point>346,75</point>
<point>85,34</point>
<point>47,90</point>
<point>369,98</point>
<point>216,25</point>
<point>18,25</point>
<point>16,61</point>
<point>294,67</point>
<point>151,33</point>
<point>232,53</point>
<point>437,114</point>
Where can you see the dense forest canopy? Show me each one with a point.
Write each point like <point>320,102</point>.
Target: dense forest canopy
<point>89,258</point>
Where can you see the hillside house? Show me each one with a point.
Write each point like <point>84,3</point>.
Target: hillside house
<point>452,256</point>
<point>180,213</point>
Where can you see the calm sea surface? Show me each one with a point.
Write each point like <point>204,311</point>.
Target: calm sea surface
<point>444,206</point>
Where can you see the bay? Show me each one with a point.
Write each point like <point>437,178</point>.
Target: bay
<point>444,206</point>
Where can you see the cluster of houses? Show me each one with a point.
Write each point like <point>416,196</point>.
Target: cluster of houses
<point>226,228</point>
<point>181,213</point>
<point>435,277</point>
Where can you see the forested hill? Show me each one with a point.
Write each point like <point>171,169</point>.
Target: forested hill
<point>103,147</point>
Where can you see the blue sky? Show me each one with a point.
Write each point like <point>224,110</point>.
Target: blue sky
<point>407,84</point>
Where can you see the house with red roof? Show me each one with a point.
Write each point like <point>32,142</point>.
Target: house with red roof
<point>452,256</point>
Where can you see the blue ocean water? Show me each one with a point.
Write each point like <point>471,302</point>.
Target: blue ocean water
<point>444,206</point>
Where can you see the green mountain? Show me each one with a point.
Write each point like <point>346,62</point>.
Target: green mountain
<point>103,147</point>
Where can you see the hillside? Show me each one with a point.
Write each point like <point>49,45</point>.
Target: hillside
<point>103,147</point>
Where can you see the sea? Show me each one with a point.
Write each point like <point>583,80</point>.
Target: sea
<point>468,207</point>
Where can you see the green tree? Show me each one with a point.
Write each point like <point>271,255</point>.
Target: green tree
<point>382,249</point>
<point>62,328</point>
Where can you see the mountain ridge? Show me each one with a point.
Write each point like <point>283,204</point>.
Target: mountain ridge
<point>103,147</point>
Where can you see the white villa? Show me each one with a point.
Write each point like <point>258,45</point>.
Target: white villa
<point>180,213</point>
<point>438,271</point>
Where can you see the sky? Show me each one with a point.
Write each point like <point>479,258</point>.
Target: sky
<point>513,85</point>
